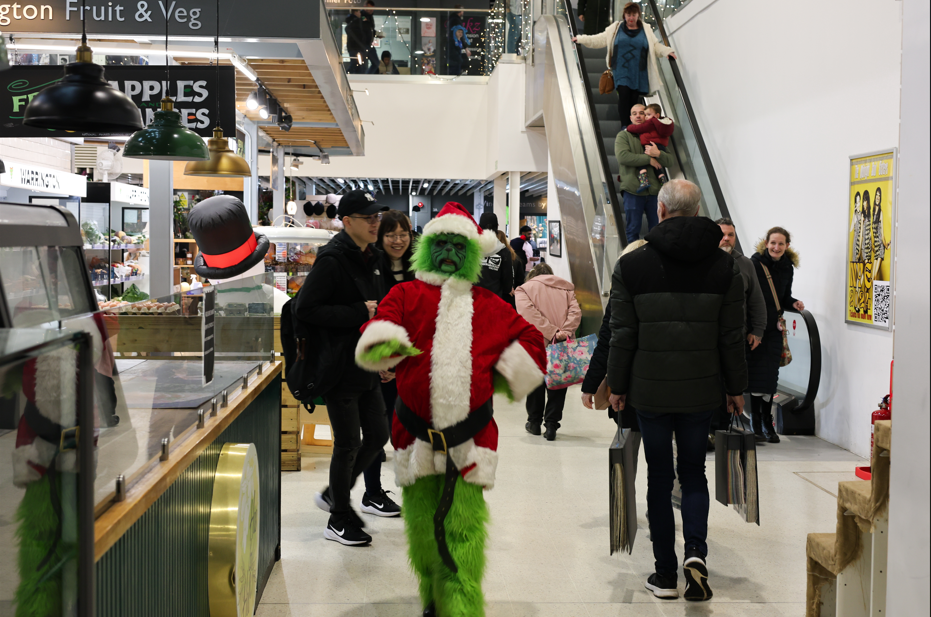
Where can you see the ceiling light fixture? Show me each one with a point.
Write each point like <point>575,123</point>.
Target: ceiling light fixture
<point>263,113</point>
<point>296,163</point>
<point>166,138</point>
<point>83,100</point>
<point>341,181</point>
<point>425,20</point>
<point>223,162</point>
<point>252,103</point>
<point>285,121</point>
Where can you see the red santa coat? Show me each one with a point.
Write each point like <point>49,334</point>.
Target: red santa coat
<point>465,333</point>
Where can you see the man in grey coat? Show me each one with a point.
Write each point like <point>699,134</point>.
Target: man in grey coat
<point>755,309</point>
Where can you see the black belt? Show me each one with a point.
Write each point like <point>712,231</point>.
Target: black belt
<point>442,441</point>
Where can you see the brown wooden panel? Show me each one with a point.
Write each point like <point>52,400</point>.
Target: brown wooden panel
<point>289,442</point>
<point>289,419</point>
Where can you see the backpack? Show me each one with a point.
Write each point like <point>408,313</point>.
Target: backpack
<point>309,367</point>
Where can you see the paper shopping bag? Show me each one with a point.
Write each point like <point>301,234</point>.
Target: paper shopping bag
<point>622,462</point>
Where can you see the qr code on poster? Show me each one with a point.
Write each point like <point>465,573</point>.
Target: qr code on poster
<point>882,299</point>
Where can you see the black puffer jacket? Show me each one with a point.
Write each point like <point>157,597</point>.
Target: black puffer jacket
<point>677,321</point>
<point>333,297</point>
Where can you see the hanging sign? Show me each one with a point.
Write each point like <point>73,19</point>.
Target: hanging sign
<point>129,194</point>
<point>193,88</point>
<point>43,180</point>
<point>871,209</point>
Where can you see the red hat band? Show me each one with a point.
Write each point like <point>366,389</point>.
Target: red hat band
<point>237,255</point>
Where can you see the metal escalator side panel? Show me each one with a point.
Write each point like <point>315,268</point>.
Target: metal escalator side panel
<point>573,172</point>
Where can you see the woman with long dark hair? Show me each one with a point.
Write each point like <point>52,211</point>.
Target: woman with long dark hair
<point>396,241</point>
<point>775,263</point>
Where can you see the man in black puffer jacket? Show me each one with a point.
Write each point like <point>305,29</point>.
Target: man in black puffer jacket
<point>340,294</point>
<point>677,319</point>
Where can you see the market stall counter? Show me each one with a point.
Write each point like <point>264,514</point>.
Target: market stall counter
<point>186,469</point>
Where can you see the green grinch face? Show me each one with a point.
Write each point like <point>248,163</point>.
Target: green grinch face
<point>448,252</point>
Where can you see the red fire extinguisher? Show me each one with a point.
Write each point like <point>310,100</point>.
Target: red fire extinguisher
<point>883,413</point>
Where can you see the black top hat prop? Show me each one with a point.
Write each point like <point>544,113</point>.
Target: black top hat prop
<point>227,245</point>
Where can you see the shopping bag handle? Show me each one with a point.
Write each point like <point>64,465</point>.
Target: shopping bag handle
<point>738,417</point>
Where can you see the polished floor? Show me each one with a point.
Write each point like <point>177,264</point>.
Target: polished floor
<point>549,536</point>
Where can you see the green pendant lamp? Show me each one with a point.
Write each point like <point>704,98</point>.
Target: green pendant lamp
<point>166,138</point>
<point>82,100</point>
<point>223,162</point>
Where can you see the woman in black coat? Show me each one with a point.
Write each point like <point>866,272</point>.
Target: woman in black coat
<point>775,257</point>
<point>395,239</point>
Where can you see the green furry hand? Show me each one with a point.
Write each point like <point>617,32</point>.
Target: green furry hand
<point>388,349</point>
<point>502,386</point>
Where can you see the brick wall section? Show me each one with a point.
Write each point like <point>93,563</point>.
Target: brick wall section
<point>41,151</point>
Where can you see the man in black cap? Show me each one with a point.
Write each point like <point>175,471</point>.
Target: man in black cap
<point>340,294</point>
<point>497,270</point>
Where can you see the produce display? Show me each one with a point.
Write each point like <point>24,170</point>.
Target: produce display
<point>140,308</point>
<point>292,260</point>
<point>134,294</point>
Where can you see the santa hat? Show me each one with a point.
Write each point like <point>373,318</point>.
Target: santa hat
<point>455,219</point>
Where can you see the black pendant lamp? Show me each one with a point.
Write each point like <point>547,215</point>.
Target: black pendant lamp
<point>83,101</point>
<point>166,138</point>
<point>223,162</point>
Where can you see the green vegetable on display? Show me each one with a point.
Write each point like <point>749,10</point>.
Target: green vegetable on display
<point>134,294</point>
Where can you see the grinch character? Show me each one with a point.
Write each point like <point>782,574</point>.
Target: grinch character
<point>454,344</point>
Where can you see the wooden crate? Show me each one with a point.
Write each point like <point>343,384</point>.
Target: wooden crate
<point>290,420</point>
<point>289,442</point>
<point>290,461</point>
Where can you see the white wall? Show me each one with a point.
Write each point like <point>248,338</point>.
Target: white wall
<point>909,502</point>
<point>560,265</point>
<point>42,151</point>
<point>783,97</point>
<point>511,146</point>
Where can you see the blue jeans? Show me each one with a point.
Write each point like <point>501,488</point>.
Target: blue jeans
<point>691,432</point>
<point>513,40</point>
<point>634,208</point>
<point>373,61</point>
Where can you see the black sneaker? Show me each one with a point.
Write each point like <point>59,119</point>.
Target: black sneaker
<point>430,611</point>
<point>663,586</point>
<point>550,433</point>
<point>343,530</point>
<point>323,500</point>
<point>532,428</point>
<point>381,505</point>
<point>696,577</point>
<point>772,438</point>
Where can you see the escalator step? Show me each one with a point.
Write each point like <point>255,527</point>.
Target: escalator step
<point>592,53</point>
<point>605,99</point>
<point>609,127</point>
<point>607,112</point>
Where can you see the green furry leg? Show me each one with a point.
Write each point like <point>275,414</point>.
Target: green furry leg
<point>420,502</point>
<point>460,594</point>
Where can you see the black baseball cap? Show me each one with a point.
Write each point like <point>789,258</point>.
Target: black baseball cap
<point>359,202</point>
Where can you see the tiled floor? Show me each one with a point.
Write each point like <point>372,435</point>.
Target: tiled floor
<point>549,536</point>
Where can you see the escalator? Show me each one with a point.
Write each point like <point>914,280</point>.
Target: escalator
<point>581,126</point>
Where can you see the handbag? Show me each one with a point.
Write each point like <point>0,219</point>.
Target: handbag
<point>602,394</point>
<point>567,361</point>
<point>786,358</point>
<point>735,467</point>
<point>622,474</point>
<point>606,82</point>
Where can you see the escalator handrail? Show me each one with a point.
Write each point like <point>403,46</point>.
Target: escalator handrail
<point>814,376</point>
<point>693,121</point>
<point>599,138</point>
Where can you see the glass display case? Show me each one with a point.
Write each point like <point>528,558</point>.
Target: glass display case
<point>116,256</point>
<point>46,445</point>
<point>291,254</point>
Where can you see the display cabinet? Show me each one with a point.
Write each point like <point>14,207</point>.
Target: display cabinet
<point>291,254</point>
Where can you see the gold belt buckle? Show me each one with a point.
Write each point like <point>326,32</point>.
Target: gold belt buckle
<point>431,433</point>
<point>70,437</point>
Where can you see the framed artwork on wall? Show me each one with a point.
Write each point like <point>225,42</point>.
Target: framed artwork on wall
<point>555,239</point>
<point>871,213</point>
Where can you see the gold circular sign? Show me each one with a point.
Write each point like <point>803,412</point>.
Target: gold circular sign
<point>233,560</point>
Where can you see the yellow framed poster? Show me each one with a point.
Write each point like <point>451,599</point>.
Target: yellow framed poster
<point>871,239</point>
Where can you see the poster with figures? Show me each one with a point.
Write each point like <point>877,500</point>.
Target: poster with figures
<point>871,239</point>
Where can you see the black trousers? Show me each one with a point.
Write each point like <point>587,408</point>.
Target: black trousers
<point>540,410</point>
<point>352,413</point>
<point>626,98</point>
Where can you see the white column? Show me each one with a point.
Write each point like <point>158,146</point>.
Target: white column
<point>478,205</point>
<point>909,504</point>
<point>250,185</point>
<point>279,184</point>
<point>501,201</point>
<point>161,228</point>
<point>514,203</point>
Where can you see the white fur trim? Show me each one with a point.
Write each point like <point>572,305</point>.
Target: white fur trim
<point>451,356</point>
<point>452,224</point>
<point>419,461</point>
<point>522,373</point>
<point>431,278</point>
<point>489,243</point>
<point>56,386</point>
<point>381,331</point>
<point>39,452</point>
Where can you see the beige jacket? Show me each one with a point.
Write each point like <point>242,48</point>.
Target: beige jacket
<point>606,39</point>
<point>548,302</point>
